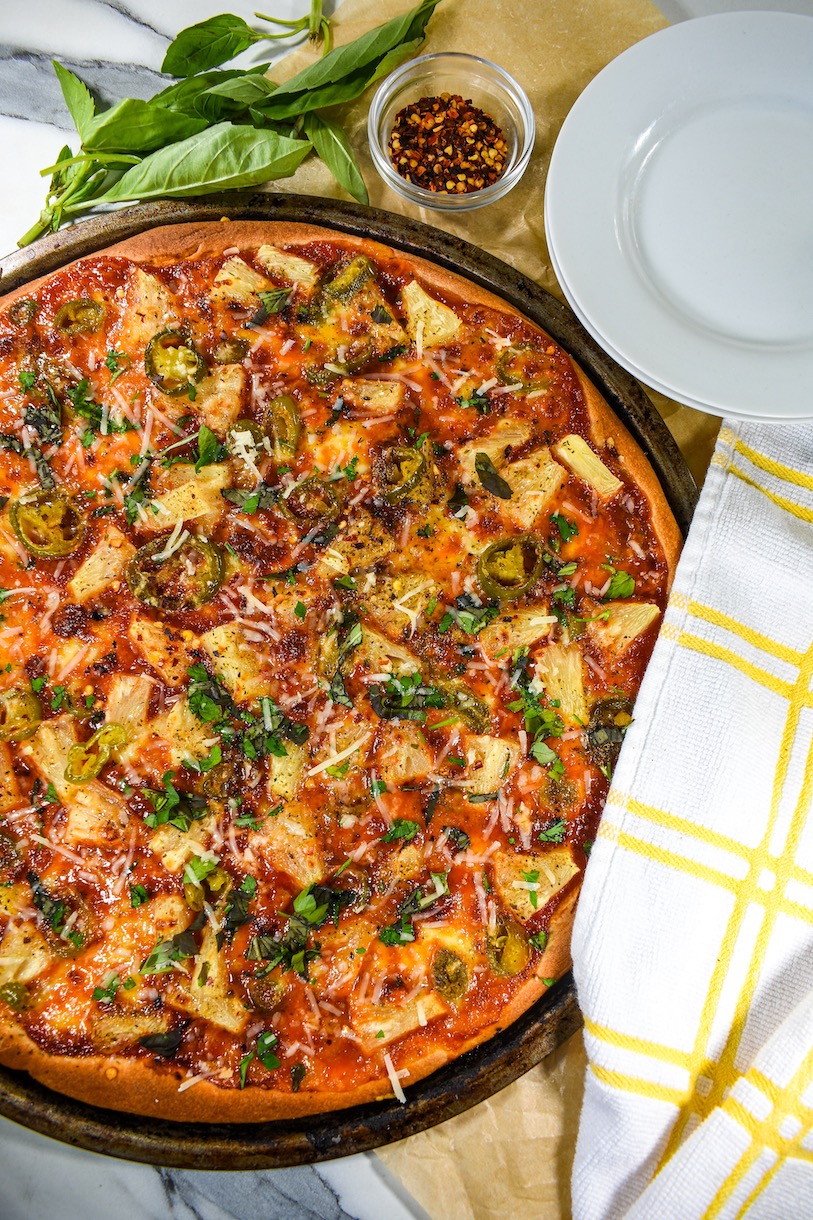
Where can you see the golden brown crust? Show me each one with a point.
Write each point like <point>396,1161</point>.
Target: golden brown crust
<point>135,1085</point>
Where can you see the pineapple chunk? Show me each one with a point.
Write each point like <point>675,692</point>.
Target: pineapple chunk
<point>23,954</point>
<point>428,321</point>
<point>549,872</point>
<point>558,669</point>
<point>96,817</point>
<point>127,705</point>
<point>236,281</point>
<point>404,864</point>
<point>9,788</point>
<point>288,842</point>
<point>285,773</point>
<point>507,435</point>
<point>236,659</point>
<point>534,480</point>
<point>379,1024</point>
<point>403,757</point>
<point>626,622</point>
<point>103,566</point>
<point>574,452</point>
<point>177,847</point>
<point>163,647</point>
<point>380,655</point>
<point>116,1030</point>
<point>297,271</point>
<point>516,629</point>
<point>396,602</point>
<point>363,543</point>
<point>150,308</point>
<point>219,398</point>
<point>48,750</point>
<point>490,760</point>
<point>210,994</point>
<point>189,496</point>
<point>183,733</point>
<point>383,396</point>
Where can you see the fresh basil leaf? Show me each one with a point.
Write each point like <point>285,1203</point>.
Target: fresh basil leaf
<point>201,95</point>
<point>621,585</point>
<point>207,44</point>
<point>210,449</point>
<point>136,126</point>
<point>77,98</point>
<point>490,478</point>
<point>368,49</point>
<point>223,158</point>
<point>280,109</point>
<point>247,88</point>
<point>332,146</point>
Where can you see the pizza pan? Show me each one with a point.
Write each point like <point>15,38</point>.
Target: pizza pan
<point>555,1016</point>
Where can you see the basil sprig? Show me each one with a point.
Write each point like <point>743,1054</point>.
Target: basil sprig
<point>220,129</point>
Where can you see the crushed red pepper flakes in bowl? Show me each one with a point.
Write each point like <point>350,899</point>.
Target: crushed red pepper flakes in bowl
<point>447,145</point>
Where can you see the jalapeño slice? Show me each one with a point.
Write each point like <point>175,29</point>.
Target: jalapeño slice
<point>347,280</point>
<point>400,470</point>
<point>23,311</point>
<point>285,425</point>
<point>79,317</point>
<point>20,713</point>
<point>182,580</point>
<point>524,367</point>
<point>310,502</point>
<point>173,363</point>
<point>48,523</point>
<point>510,567</point>
<point>86,759</point>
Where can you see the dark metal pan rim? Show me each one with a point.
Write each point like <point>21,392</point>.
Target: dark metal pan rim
<point>555,1016</point>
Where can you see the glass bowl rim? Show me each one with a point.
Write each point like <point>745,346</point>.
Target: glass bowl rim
<point>439,201</point>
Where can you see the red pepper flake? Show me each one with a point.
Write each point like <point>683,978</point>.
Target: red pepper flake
<point>447,145</point>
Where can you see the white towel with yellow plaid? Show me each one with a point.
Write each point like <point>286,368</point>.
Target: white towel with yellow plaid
<point>693,944</point>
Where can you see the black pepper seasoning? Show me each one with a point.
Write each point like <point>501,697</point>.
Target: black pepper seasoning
<point>447,145</point>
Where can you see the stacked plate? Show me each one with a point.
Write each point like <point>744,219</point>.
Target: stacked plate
<point>679,213</point>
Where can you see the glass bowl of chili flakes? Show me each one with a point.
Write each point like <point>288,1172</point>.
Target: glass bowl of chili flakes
<point>451,131</point>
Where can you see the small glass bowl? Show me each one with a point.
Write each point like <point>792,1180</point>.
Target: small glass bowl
<point>489,87</point>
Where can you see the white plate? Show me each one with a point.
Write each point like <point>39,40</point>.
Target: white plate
<point>652,382</point>
<point>679,212</point>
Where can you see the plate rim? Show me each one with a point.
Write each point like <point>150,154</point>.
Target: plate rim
<point>553,1018</point>
<point>634,68</point>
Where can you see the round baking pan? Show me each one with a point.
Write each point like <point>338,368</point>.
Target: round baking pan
<point>555,1016</point>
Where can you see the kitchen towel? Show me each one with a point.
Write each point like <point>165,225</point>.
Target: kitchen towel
<point>693,944</point>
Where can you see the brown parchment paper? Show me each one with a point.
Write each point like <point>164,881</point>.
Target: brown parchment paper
<point>511,1156</point>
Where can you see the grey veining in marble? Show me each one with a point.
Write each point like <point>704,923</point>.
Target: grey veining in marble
<point>290,1192</point>
<point>30,90</point>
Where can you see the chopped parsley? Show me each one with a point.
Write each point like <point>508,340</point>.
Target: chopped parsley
<point>405,697</point>
<point>402,930</point>
<point>106,994</point>
<point>210,449</point>
<point>621,584</point>
<point>139,894</point>
<point>531,879</point>
<point>178,809</point>
<point>476,399</point>
<point>566,529</point>
<point>401,829</point>
<point>470,614</point>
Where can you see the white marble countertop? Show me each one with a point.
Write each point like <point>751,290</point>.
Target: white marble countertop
<point>116,47</point>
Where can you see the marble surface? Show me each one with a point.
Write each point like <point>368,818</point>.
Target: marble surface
<point>116,47</point>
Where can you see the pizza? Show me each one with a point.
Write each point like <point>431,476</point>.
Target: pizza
<point>328,582</point>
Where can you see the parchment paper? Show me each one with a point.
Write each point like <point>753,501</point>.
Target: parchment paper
<point>511,1156</point>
